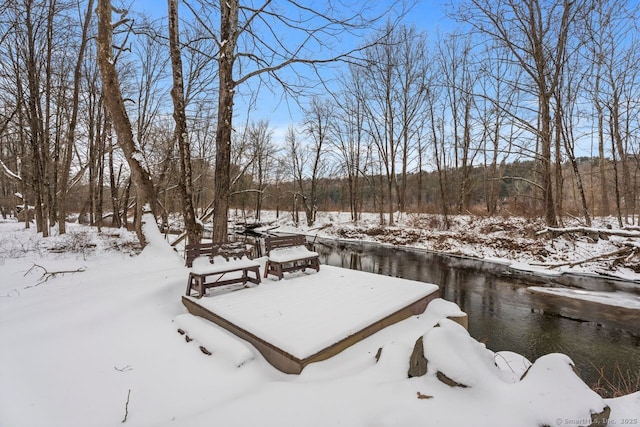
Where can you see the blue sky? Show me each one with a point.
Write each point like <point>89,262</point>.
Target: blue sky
<point>427,15</point>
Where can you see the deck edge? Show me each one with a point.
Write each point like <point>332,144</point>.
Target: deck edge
<point>290,364</point>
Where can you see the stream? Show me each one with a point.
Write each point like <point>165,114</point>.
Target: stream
<point>504,315</point>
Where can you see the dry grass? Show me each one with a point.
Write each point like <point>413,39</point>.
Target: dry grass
<point>617,383</point>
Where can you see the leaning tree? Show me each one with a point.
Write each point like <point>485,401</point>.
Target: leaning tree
<point>114,103</point>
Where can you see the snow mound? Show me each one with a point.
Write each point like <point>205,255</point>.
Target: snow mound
<point>157,246</point>
<point>217,341</point>
<point>549,392</point>
<point>451,351</point>
<point>552,384</point>
<point>442,308</point>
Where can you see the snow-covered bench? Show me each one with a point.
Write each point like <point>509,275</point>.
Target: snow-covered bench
<point>288,253</point>
<point>227,263</point>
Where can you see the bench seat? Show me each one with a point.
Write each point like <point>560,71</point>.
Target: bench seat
<point>203,265</point>
<point>221,263</point>
<point>293,253</point>
<point>289,253</point>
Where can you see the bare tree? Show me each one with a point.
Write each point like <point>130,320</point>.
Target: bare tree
<point>619,120</point>
<point>566,110</point>
<point>71,131</point>
<point>596,48</point>
<point>37,140</point>
<point>536,33</point>
<point>185,183</point>
<point>381,109</point>
<point>114,102</point>
<point>263,152</point>
<point>458,79</point>
<point>297,165</point>
<point>317,123</point>
<point>413,79</point>
<point>348,137</point>
<point>437,136</point>
<point>250,48</point>
<point>498,135</point>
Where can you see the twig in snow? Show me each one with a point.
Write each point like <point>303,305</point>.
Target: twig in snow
<point>126,407</point>
<point>12,293</point>
<point>123,369</point>
<point>49,274</point>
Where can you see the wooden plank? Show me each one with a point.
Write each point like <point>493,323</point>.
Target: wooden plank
<point>415,308</point>
<point>277,357</point>
<point>290,364</point>
<point>276,242</point>
<point>227,250</point>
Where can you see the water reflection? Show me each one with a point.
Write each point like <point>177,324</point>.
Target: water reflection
<point>502,313</point>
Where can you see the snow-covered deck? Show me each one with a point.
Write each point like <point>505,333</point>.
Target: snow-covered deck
<point>306,318</point>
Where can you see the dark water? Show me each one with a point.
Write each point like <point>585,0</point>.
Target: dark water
<point>504,315</point>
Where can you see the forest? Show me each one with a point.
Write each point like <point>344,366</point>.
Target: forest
<point>527,108</point>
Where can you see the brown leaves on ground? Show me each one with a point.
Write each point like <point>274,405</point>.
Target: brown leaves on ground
<point>423,396</point>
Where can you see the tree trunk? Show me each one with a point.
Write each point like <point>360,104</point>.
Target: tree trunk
<point>69,146</point>
<point>35,125</point>
<point>228,39</point>
<point>140,177</point>
<point>114,183</point>
<point>545,153</point>
<point>441,175</point>
<point>185,183</point>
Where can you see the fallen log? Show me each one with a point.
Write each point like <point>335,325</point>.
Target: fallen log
<point>629,250</point>
<point>589,231</point>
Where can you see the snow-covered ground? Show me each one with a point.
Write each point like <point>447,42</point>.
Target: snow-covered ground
<point>88,333</point>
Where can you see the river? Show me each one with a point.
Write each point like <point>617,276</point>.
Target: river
<point>504,315</point>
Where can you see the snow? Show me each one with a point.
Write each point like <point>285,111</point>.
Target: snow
<point>10,173</point>
<point>618,299</point>
<point>100,347</point>
<point>138,156</point>
<point>451,350</point>
<point>304,314</point>
<point>293,253</point>
<point>444,308</point>
<point>228,348</point>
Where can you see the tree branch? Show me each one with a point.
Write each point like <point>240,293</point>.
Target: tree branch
<point>126,407</point>
<point>49,274</point>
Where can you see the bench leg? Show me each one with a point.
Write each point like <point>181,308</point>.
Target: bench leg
<point>274,268</point>
<point>256,272</point>
<point>311,263</point>
<point>189,284</point>
<point>201,291</point>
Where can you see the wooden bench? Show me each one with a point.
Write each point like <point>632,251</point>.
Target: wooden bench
<point>219,260</point>
<point>288,253</point>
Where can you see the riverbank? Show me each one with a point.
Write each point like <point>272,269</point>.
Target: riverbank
<point>518,242</point>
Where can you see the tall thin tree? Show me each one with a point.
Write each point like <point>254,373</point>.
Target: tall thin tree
<point>185,182</point>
